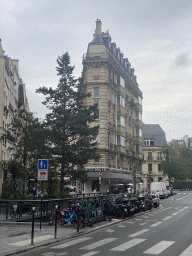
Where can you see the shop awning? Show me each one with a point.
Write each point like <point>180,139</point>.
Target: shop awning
<point>112,176</point>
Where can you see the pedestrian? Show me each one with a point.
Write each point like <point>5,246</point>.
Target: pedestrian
<point>34,192</point>
<point>129,192</point>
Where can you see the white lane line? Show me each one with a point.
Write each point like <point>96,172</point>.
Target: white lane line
<point>175,213</point>
<point>187,251</point>
<point>139,233</point>
<point>67,244</point>
<point>130,222</point>
<point>127,245</point>
<point>121,226</point>
<point>158,248</point>
<point>90,253</point>
<point>98,244</point>
<point>109,230</point>
<point>156,224</point>
<point>167,218</point>
<point>36,240</point>
<point>143,223</point>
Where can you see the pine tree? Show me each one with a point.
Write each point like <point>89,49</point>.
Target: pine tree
<point>71,137</point>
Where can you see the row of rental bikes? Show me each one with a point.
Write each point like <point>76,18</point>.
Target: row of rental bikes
<point>89,211</point>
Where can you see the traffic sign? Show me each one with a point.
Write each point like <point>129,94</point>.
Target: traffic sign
<point>42,164</point>
<point>42,175</point>
<point>99,174</point>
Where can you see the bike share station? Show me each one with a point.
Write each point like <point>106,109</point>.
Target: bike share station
<point>78,210</point>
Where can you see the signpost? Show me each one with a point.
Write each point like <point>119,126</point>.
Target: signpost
<point>42,173</point>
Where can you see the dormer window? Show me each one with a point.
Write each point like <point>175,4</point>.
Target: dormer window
<point>149,142</point>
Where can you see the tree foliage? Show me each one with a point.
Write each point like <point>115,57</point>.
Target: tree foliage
<point>178,162</point>
<point>71,138</point>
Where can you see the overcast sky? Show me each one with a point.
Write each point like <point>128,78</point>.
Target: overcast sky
<point>155,35</point>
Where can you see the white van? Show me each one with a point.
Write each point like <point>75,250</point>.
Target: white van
<point>159,188</point>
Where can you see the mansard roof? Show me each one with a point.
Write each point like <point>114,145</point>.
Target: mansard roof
<point>154,131</point>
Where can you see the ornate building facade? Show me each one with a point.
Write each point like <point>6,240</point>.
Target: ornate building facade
<point>113,85</point>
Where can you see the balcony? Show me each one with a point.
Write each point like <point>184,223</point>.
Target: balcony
<point>138,107</point>
<point>138,123</point>
<point>139,140</point>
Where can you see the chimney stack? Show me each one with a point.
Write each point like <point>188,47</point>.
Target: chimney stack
<point>98,27</point>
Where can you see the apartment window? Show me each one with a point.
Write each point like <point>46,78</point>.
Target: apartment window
<point>120,140</point>
<point>121,121</point>
<point>149,167</point>
<point>96,92</point>
<point>122,82</point>
<point>96,160</point>
<point>150,156</point>
<point>121,100</point>
<point>138,116</point>
<point>149,142</point>
<point>139,132</point>
<point>96,113</point>
<point>159,167</point>
<point>160,179</point>
<point>159,156</point>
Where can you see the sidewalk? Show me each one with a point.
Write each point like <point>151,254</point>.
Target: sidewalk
<point>16,237</point>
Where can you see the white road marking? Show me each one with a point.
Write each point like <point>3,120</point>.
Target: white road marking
<point>158,248</point>
<point>130,222</point>
<point>167,218</point>
<point>127,245</point>
<point>109,230</point>
<point>98,244</point>
<point>187,252</point>
<point>90,253</point>
<point>143,223</point>
<point>36,240</point>
<point>156,224</point>
<point>121,226</point>
<point>138,219</point>
<point>67,244</point>
<point>139,233</point>
<point>54,254</point>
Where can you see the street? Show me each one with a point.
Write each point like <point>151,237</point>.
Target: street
<point>162,231</point>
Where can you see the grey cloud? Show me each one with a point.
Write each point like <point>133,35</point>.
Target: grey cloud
<point>182,60</point>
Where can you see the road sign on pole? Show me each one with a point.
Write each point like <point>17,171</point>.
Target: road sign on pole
<point>42,164</point>
<point>99,178</point>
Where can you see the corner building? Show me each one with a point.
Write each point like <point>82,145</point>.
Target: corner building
<point>112,84</point>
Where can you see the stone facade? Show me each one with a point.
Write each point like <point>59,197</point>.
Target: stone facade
<point>112,84</point>
<point>12,95</point>
<point>154,143</point>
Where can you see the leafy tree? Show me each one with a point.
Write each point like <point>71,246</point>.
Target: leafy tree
<point>68,124</point>
<point>11,185</point>
<point>25,138</point>
<point>178,162</point>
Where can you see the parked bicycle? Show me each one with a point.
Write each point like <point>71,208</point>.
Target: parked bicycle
<point>70,215</point>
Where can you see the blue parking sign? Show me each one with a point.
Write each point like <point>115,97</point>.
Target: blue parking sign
<point>42,164</point>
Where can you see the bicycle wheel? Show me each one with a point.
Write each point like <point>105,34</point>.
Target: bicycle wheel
<point>80,221</point>
<point>59,221</point>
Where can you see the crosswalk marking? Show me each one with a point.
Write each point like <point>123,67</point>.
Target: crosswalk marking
<point>109,230</point>
<point>139,233</point>
<point>127,245</point>
<point>156,224</point>
<point>121,226</point>
<point>130,222</point>
<point>36,240</point>
<point>187,252</point>
<point>90,253</point>
<point>67,244</point>
<point>158,248</point>
<point>167,218</point>
<point>99,243</point>
<point>143,223</point>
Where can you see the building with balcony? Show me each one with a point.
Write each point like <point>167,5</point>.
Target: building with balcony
<point>113,85</point>
<point>12,96</point>
<point>154,142</point>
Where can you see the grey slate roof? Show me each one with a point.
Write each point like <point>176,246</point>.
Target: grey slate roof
<point>154,131</point>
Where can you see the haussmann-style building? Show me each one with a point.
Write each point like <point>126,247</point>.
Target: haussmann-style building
<point>154,143</point>
<point>113,85</point>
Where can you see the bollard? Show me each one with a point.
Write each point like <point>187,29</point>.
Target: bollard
<point>77,217</point>
<point>41,212</point>
<point>56,207</point>
<point>32,232</point>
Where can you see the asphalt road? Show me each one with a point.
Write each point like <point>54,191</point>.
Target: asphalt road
<point>166,230</point>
